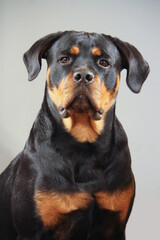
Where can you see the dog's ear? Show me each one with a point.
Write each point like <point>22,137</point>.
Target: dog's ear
<point>32,58</point>
<point>132,60</point>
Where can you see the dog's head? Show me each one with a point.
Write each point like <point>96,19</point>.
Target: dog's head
<point>84,72</point>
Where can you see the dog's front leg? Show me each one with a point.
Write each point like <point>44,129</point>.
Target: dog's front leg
<point>25,219</point>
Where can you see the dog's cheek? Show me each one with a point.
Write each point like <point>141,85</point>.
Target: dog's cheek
<point>48,77</point>
<point>56,95</point>
<point>108,96</point>
<point>61,94</point>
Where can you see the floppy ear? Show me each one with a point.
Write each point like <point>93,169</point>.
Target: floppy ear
<point>137,67</point>
<point>32,58</point>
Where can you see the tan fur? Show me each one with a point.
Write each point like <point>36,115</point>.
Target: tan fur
<point>96,52</point>
<point>48,78</point>
<point>62,93</point>
<point>79,125</point>
<point>52,206</point>
<point>118,201</point>
<point>74,50</point>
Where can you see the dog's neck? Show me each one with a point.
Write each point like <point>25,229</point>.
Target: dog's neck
<point>51,128</point>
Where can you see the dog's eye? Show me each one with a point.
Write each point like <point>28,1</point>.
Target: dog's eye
<point>103,63</point>
<point>64,60</point>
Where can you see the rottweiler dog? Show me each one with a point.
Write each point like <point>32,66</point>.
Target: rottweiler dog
<point>73,179</point>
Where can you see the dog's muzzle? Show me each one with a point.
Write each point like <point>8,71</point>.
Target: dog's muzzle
<point>83,99</point>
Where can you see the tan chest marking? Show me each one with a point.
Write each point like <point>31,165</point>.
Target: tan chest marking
<point>118,201</point>
<point>52,206</point>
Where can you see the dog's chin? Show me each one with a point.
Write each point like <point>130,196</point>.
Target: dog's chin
<point>81,104</point>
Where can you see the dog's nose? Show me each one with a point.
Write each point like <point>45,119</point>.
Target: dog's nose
<point>83,75</point>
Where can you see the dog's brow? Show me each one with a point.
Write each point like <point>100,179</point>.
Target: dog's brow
<point>74,50</point>
<point>96,51</point>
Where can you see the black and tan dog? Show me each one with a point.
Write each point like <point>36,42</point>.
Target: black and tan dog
<point>73,180</point>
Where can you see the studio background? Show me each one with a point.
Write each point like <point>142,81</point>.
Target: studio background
<point>137,22</point>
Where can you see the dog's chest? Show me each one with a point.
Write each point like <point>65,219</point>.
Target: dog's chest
<point>87,174</point>
<point>87,199</point>
<point>65,212</point>
<point>55,207</point>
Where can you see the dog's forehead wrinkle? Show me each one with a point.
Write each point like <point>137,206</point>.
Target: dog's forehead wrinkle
<point>82,39</point>
<point>86,42</point>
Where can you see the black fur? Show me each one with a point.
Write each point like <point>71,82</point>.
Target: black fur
<point>52,160</point>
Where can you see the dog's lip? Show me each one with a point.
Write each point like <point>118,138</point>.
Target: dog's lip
<point>83,97</point>
<point>80,97</point>
<point>91,106</point>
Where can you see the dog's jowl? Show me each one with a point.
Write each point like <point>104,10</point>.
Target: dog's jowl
<point>73,179</point>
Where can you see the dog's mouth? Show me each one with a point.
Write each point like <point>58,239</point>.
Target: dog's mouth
<point>82,104</point>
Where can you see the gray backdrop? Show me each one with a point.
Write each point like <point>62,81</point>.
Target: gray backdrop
<point>138,22</point>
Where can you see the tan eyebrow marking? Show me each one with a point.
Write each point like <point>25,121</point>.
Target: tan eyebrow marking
<point>74,50</point>
<point>96,51</point>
